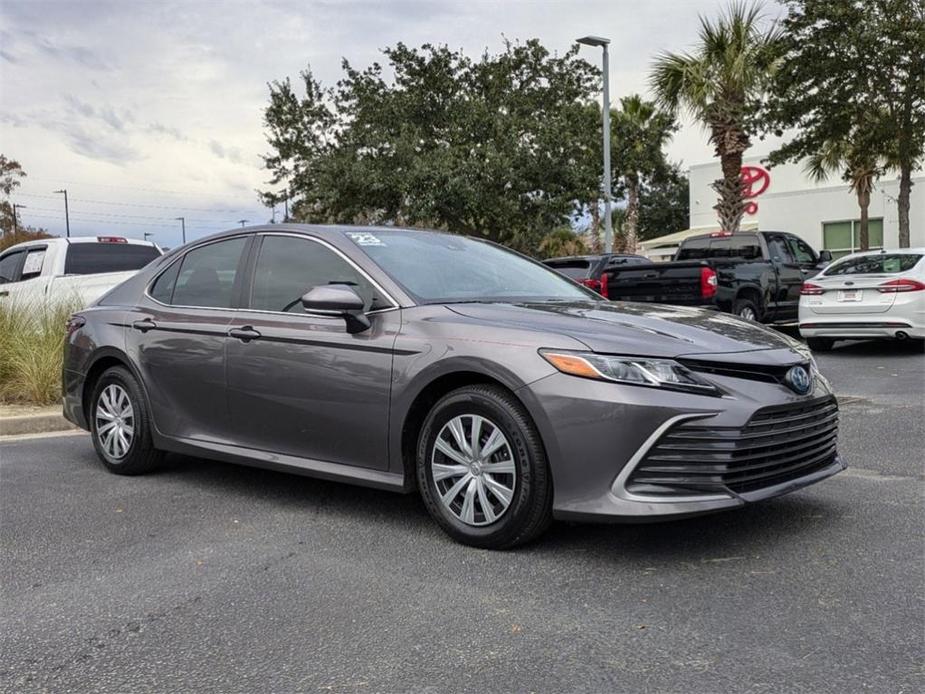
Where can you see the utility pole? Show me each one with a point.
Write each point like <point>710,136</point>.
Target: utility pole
<point>67,217</point>
<point>608,222</point>
<point>15,227</point>
<point>147,234</point>
<point>242,222</point>
<point>182,221</point>
<point>286,214</point>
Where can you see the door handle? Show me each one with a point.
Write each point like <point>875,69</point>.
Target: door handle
<point>144,325</point>
<point>245,333</point>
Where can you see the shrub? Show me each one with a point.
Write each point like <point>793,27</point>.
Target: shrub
<point>31,352</point>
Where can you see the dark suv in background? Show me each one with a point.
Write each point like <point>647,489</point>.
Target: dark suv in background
<point>755,275</point>
<point>592,270</point>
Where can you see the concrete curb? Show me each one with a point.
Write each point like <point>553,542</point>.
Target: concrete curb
<point>34,424</point>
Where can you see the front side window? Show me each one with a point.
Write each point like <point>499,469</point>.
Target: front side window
<point>207,275</point>
<point>445,268</point>
<point>9,267</point>
<point>801,251</point>
<point>289,267</point>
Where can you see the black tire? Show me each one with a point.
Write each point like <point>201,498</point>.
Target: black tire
<point>747,309</point>
<point>530,509</point>
<point>141,456</point>
<point>820,344</point>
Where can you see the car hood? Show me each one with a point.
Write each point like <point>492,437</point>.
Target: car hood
<point>654,330</point>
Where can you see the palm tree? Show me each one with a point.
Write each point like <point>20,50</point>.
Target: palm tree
<point>641,132</point>
<point>720,84</point>
<point>857,165</point>
<point>561,242</point>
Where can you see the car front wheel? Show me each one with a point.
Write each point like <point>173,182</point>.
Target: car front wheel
<point>482,470</point>
<point>120,424</point>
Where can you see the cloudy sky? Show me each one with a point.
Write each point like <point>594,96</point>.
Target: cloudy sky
<point>149,110</point>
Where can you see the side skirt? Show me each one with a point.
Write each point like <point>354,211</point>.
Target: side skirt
<point>239,455</point>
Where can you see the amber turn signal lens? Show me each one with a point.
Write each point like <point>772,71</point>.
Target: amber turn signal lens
<point>571,364</point>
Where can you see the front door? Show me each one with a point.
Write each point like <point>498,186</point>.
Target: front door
<point>299,384</point>
<point>177,338</point>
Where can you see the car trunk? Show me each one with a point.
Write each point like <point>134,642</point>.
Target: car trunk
<point>851,294</point>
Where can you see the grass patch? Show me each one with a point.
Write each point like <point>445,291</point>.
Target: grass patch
<point>31,352</point>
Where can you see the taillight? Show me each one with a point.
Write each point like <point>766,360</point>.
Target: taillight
<point>810,289</point>
<point>901,285</point>
<point>592,284</point>
<point>707,282</point>
<point>74,323</point>
<point>605,280</point>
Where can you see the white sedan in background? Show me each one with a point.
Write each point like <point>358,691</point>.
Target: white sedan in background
<point>875,294</point>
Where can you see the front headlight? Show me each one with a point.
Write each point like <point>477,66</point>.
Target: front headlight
<point>642,371</point>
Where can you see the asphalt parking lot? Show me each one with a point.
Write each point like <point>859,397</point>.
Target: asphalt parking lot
<point>206,577</point>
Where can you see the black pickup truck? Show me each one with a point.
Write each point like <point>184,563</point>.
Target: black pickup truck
<point>755,275</point>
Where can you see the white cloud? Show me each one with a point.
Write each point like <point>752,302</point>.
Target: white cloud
<point>160,103</point>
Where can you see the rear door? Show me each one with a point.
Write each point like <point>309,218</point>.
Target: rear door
<point>177,338</point>
<point>790,275</point>
<point>300,384</point>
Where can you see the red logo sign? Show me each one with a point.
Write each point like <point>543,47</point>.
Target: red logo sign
<point>755,180</point>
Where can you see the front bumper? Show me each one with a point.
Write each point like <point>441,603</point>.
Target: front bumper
<point>597,433</point>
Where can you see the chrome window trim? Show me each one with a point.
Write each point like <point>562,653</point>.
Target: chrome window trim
<point>147,292</point>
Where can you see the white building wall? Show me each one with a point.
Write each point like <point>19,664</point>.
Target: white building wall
<point>794,202</point>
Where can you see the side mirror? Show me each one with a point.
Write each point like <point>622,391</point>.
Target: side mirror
<point>337,300</point>
<point>825,257</point>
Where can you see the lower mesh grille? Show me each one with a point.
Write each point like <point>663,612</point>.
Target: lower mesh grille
<point>778,444</point>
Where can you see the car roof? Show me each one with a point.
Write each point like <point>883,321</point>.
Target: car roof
<point>886,251</point>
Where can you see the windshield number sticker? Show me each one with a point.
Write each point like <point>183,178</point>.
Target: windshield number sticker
<point>366,239</point>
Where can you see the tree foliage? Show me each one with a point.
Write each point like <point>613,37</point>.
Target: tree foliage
<point>721,85</point>
<point>504,146</point>
<point>11,231</point>
<point>640,133</point>
<point>664,204</point>
<point>851,84</point>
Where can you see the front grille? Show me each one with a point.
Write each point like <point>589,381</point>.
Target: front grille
<point>769,373</point>
<point>778,444</point>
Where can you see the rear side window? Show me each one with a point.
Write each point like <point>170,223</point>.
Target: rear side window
<point>32,267</point>
<point>881,264</point>
<point>90,258</point>
<point>576,269</point>
<point>207,274</point>
<point>162,289</point>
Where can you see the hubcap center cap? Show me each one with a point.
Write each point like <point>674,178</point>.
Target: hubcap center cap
<point>475,468</point>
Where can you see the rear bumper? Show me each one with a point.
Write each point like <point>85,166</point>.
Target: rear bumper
<point>838,327</point>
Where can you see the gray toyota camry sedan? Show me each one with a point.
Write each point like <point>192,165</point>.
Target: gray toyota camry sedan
<point>503,392</point>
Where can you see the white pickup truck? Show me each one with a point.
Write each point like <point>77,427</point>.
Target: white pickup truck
<point>78,269</point>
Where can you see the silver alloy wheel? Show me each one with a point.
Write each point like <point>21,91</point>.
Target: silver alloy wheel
<point>473,469</point>
<point>115,421</point>
<point>748,313</point>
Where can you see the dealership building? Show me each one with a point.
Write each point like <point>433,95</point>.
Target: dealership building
<point>785,198</point>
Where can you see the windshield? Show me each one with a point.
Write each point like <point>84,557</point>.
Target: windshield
<point>443,268</point>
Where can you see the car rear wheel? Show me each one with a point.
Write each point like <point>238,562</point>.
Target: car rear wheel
<point>120,424</point>
<point>482,470</point>
<point>747,309</point>
<point>820,344</point>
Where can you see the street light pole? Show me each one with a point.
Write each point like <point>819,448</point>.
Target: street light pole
<point>67,217</point>
<point>608,223</point>
<point>182,221</point>
<point>242,222</point>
